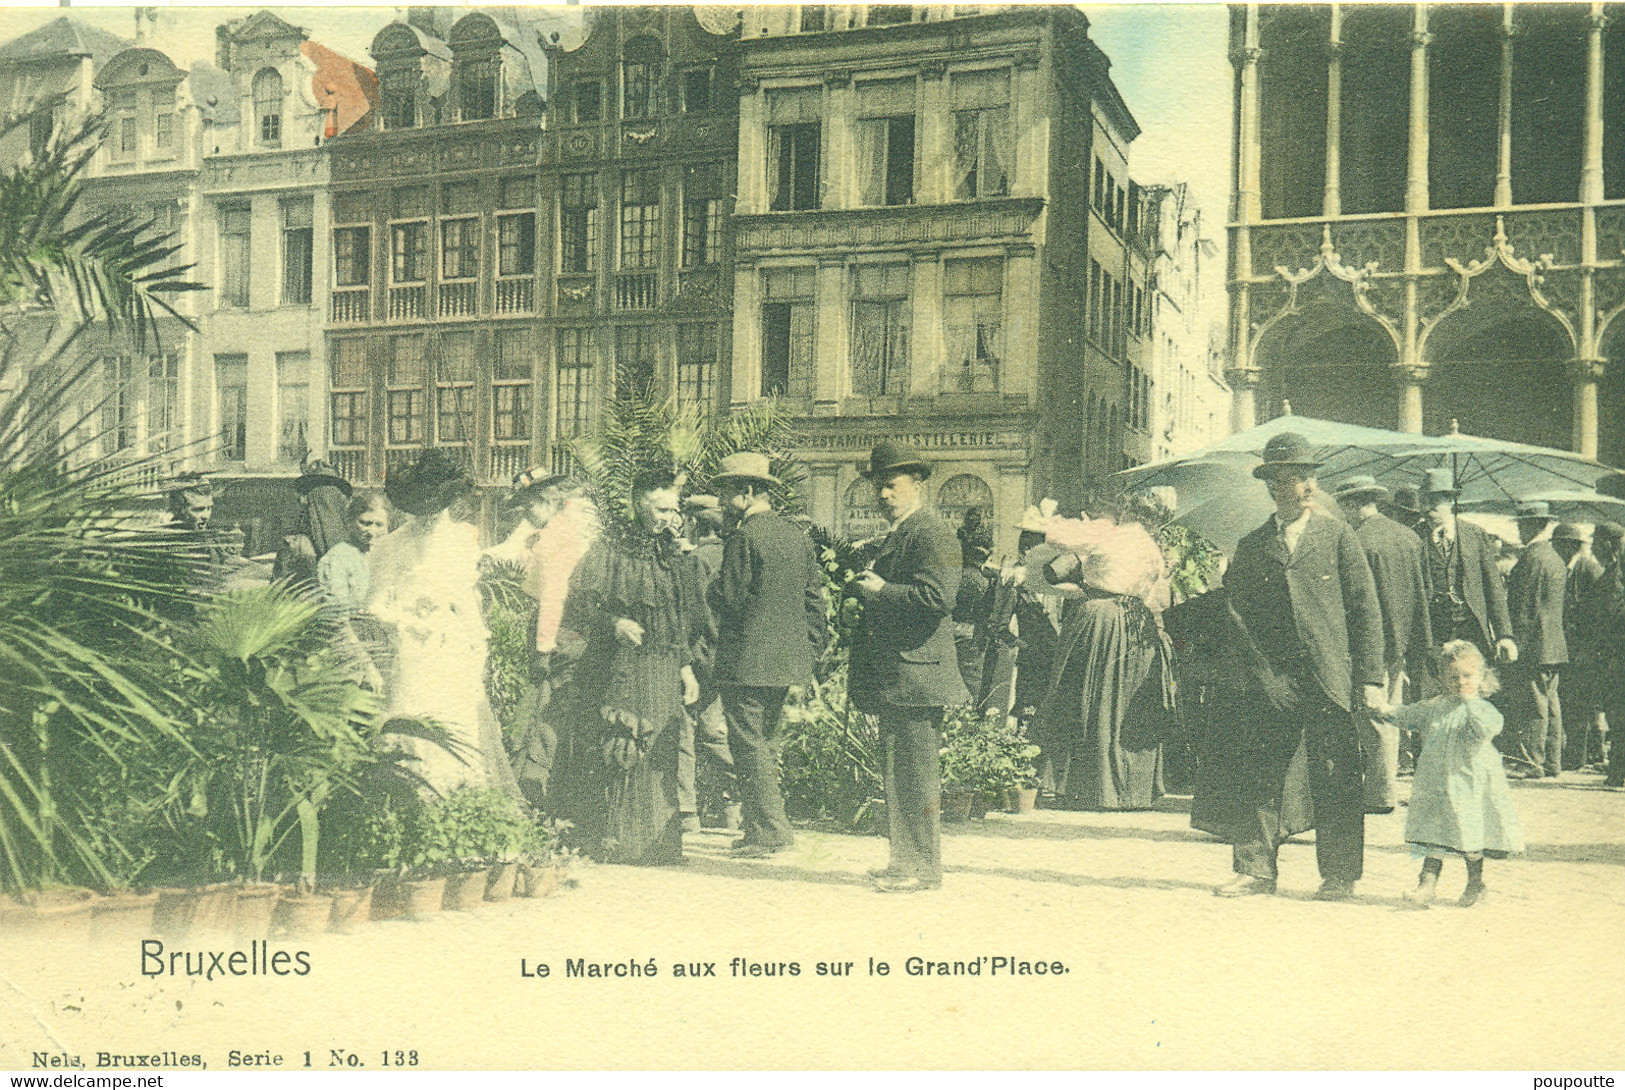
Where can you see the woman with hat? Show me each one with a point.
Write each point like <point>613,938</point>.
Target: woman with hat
<point>1022,628</point>
<point>324,501</point>
<point>1100,721</point>
<point>425,585</point>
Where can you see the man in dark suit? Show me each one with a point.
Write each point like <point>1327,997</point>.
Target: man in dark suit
<point>1535,599</point>
<point>904,668</point>
<point>1395,555</point>
<point>1466,596</point>
<point>1582,701</point>
<point>769,603</point>
<point>1301,595</point>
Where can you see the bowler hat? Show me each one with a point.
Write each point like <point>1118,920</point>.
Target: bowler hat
<point>889,457</point>
<point>1608,531</point>
<point>319,474</point>
<point>428,485</point>
<point>1363,486</point>
<point>745,465</point>
<point>1567,531</point>
<point>1286,450</point>
<point>1406,500</point>
<point>1439,482</point>
<point>1535,510</point>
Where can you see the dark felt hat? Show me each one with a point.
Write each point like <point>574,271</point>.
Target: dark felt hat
<point>429,484</point>
<point>1609,531</point>
<point>1567,531</point>
<point>318,474</point>
<point>1361,487</point>
<point>1287,450</point>
<point>1406,500</point>
<point>1535,510</point>
<point>530,486</point>
<point>889,457</point>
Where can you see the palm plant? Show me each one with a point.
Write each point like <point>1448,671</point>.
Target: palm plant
<point>85,592</point>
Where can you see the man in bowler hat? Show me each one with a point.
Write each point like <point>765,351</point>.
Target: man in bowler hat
<point>1466,595</point>
<point>1535,600</point>
<point>768,598</point>
<point>904,667</point>
<point>1303,601</point>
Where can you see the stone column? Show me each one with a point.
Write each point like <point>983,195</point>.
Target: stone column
<point>1245,60</point>
<point>1416,169</point>
<point>745,379</point>
<point>1503,168</point>
<point>832,377</point>
<point>1587,373</point>
<point>1411,379</point>
<point>1246,210</point>
<point>935,136</point>
<point>1332,202</point>
<point>1591,181</point>
<point>1243,397</point>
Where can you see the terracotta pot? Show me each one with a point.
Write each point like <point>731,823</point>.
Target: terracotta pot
<point>956,804</point>
<point>1021,800</point>
<point>552,880</point>
<point>173,915</point>
<point>302,913</point>
<point>465,890</point>
<point>60,915</point>
<point>124,916</point>
<point>388,898</point>
<point>421,896</point>
<point>977,805</point>
<point>216,908</point>
<point>256,903</point>
<point>499,886</point>
<point>351,907</point>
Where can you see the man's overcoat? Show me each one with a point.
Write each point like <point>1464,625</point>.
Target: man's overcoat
<point>1535,598</point>
<point>769,602</point>
<point>1396,559</point>
<point>1482,588</point>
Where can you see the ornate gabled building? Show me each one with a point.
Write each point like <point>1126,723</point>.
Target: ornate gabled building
<point>439,261</point>
<point>933,243</point>
<point>639,180</point>
<point>1429,218</point>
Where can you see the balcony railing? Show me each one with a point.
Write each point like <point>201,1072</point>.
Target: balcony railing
<point>507,462</point>
<point>351,464</point>
<point>459,299</point>
<point>516,296</point>
<point>409,301</point>
<point>637,291</point>
<point>352,304</point>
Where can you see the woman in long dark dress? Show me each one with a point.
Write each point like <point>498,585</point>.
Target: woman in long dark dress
<point>638,604</point>
<point>1109,695</point>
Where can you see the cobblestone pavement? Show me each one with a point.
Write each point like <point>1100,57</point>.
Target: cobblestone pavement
<point>1156,972</point>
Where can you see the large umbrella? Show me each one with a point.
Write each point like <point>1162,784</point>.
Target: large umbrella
<point>1220,499</point>
<point>1570,506</point>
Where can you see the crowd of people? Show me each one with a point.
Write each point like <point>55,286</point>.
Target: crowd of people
<point>669,633</point>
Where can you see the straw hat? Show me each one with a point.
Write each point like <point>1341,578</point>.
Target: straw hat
<point>745,465</point>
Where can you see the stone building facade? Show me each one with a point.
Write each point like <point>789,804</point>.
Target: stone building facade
<point>1429,218</point>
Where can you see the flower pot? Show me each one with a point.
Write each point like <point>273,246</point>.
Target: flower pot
<point>123,916</point>
<point>351,907</point>
<point>499,885</point>
<point>256,903</point>
<point>175,911</point>
<point>552,880</point>
<point>302,913</point>
<point>1020,800</point>
<point>216,908</point>
<point>956,804</point>
<point>60,915</point>
<point>388,897</point>
<point>977,805</point>
<point>421,896</point>
<point>465,890</point>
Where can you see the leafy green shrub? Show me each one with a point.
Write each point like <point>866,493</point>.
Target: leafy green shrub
<point>987,752</point>
<point>470,825</point>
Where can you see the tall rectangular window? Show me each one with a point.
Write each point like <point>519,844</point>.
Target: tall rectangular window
<point>702,231</point>
<point>635,360</point>
<point>163,120</point>
<point>640,219</point>
<point>454,387</point>
<point>984,152</point>
<point>588,99</point>
<point>578,222</point>
<point>697,364</point>
<point>409,253</point>
<point>880,330</point>
<point>1101,184</point>
<point>575,382</point>
<point>516,244</point>
<point>794,126</point>
<point>459,249</point>
<point>163,401</point>
<point>1095,319</point>
<point>511,377</point>
<point>292,405</point>
<point>640,75</point>
<point>298,251</point>
<point>231,387</point>
<point>405,402</point>
<point>813,18</point>
<point>122,140</point>
<point>477,90</point>
<point>234,255</point>
<point>347,373</point>
<point>973,323</point>
<point>400,94</point>
<point>268,95</point>
<point>352,256</point>
<point>787,332</point>
<point>886,160</point>
<point>119,402</point>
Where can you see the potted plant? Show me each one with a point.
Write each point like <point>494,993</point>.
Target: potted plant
<point>986,756</point>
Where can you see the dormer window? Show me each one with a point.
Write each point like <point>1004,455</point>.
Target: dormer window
<point>477,90</point>
<point>400,93</point>
<point>163,120</point>
<point>640,78</point>
<point>268,106</point>
<point>813,18</point>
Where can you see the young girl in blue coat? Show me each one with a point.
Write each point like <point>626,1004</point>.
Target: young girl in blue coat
<point>1460,803</point>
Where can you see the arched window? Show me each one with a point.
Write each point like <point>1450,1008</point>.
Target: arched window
<point>959,495</point>
<point>861,515</point>
<point>268,106</point>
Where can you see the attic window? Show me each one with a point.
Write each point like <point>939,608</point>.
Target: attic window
<point>477,90</point>
<point>400,91</point>
<point>640,78</point>
<point>268,106</point>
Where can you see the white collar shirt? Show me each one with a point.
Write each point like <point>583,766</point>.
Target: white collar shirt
<point>1292,532</point>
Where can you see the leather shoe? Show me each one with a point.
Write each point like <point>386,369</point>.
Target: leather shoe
<point>756,851</point>
<point>1335,889</point>
<point>904,884</point>
<point>886,872</point>
<point>1245,885</point>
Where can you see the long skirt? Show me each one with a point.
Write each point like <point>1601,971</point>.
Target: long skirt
<point>1101,723</point>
